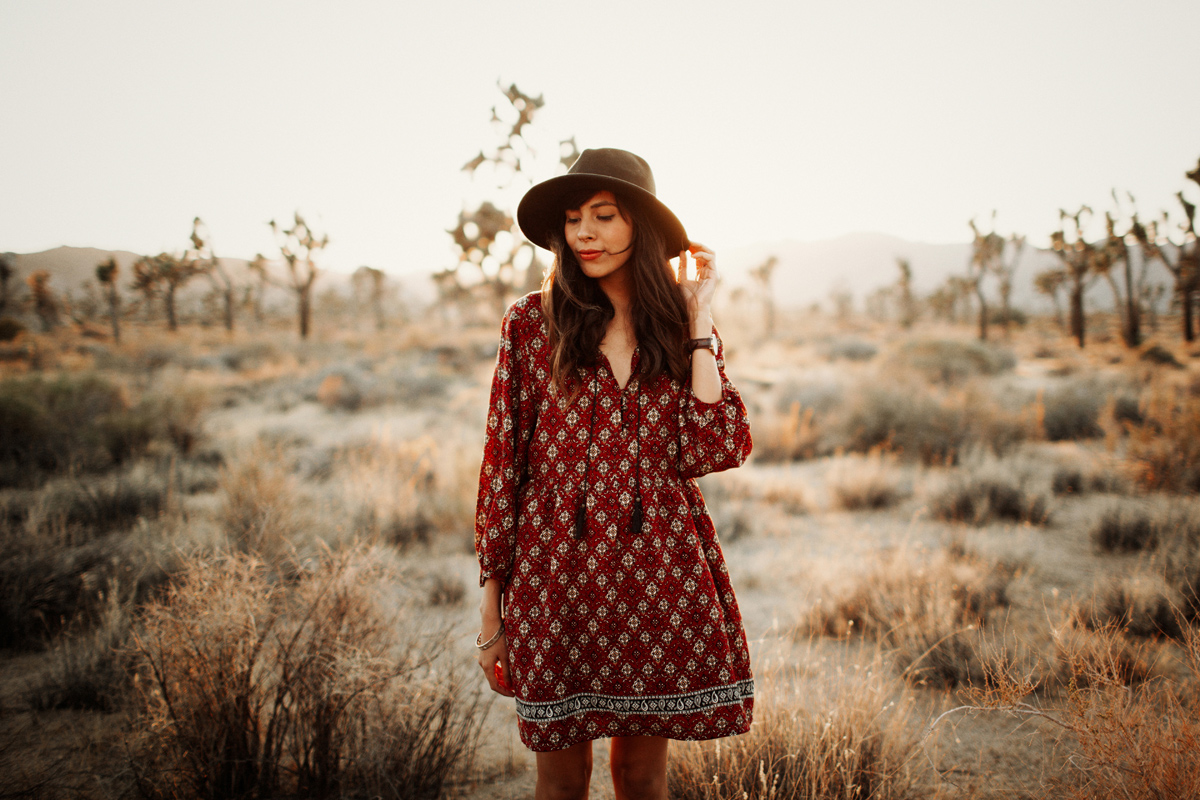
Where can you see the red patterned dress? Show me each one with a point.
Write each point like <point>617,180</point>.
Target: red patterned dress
<point>611,631</point>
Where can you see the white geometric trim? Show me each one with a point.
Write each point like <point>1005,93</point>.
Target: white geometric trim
<point>664,704</point>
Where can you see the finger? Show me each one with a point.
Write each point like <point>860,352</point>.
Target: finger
<point>506,671</point>
<point>695,247</point>
<point>683,267</point>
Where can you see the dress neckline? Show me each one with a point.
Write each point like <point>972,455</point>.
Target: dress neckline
<point>633,365</point>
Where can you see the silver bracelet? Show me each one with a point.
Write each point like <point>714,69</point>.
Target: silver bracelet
<point>490,641</point>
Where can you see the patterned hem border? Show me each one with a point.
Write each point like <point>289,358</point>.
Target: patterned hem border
<point>690,703</point>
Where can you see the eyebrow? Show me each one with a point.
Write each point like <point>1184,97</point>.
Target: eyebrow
<point>602,203</point>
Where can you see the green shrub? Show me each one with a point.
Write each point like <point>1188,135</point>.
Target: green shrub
<point>952,361</point>
<point>849,350</point>
<point>980,499</point>
<point>85,423</point>
<point>43,593</point>
<point>10,329</point>
<point>1157,354</point>
<point>1127,530</point>
<point>89,672</point>
<point>1072,411</point>
<point>910,422</point>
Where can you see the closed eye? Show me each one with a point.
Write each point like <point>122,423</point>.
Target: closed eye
<point>607,218</point>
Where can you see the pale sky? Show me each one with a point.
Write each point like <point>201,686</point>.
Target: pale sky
<point>762,120</point>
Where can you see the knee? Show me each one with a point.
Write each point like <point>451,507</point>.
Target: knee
<point>566,784</point>
<point>639,781</point>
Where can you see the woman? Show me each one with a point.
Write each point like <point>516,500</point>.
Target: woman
<point>607,608</point>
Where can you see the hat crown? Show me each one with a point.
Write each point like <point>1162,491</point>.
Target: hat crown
<point>613,163</point>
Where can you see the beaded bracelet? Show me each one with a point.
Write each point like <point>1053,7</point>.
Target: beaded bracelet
<point>490,641</point>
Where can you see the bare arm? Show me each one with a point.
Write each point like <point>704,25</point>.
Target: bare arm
<point>706,380</point>
<point>492,615</point>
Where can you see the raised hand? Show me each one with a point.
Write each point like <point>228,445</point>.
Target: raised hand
<point>699,292</point>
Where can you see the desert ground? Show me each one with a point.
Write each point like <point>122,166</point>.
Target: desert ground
<point>241,565</point>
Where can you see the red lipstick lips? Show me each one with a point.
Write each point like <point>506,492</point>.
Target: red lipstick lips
<point>588,255</point>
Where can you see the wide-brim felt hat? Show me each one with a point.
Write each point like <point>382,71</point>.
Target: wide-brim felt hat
<point>624,174</point>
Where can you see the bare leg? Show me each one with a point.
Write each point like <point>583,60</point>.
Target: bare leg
<point>639,767</point>
<point>564,774</point>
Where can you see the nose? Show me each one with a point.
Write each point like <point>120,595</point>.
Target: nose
<point>584,231</point>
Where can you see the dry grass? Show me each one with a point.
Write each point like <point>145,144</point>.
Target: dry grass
<point>253,688</point>
<point>928,611</point>
<point>403,492</point>
<point>815,737</point>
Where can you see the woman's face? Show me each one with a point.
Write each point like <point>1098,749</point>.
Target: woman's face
<point>600,235</point>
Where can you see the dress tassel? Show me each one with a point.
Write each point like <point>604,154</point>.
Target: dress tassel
<point>581,521</point>
<point>635,519</point>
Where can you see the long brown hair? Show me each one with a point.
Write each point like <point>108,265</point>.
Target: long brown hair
<point>577,311</point>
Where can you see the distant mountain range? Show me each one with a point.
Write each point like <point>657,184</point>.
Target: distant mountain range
<point>807,272</point>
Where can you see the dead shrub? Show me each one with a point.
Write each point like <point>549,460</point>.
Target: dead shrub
<point>1120,733</point>
<point>841,736</point>
<point>1165,449</point>
<point>261,508</point>
<point>792,436</point>
<point>253,688</point>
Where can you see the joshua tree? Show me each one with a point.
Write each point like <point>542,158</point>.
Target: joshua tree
<point>256,294</point>
<point>1080,260</point>
<point>904,294</point>
<point>1181,258</point>
<point>299,244</point>
<point>1048,282</point>
<point>1116,250</point>
<point>7,270</point>
<point>218,273</point>
<point>45,304</point>
<point>762,275</point>
<point>490,246</point>
<point>369,281</point>
<point>162,276</point>
<point>106,273</point>
<point>986,251</point>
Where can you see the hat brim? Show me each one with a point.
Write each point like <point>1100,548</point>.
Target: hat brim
<point>541,209</point>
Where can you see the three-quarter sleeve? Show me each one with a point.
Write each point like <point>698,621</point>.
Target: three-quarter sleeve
<point>713,436</point>
<point>509,426</point>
